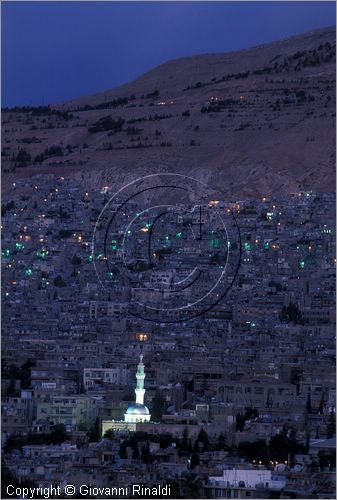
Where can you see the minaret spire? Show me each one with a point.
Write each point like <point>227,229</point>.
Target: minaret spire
<point>138,412</point>
<point>140,376</point>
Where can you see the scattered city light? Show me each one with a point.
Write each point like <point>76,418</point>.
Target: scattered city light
<point>42,254</point>
<point>142,337</point>
<point>215,243</point>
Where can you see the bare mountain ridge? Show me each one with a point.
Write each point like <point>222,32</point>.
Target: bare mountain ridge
<point>254,122</point>
<point>175,75</point>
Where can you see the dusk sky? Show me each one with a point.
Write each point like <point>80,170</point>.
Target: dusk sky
<point>63,50</point>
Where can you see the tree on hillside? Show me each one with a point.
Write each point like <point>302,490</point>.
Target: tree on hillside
<point>195,460</point>
<point>59,282</point>
<point>109,434</point>
<point>203,439</point>
<point>308,403</point>
<point>158,406</point>
<point>95,432</point>
<point>291,314</point>
<point>220,442</point>
<point>331,425</point>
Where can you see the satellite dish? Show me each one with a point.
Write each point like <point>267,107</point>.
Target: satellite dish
<point>280,467</point>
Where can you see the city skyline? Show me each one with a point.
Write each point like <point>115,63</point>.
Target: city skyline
<point>168,250</point>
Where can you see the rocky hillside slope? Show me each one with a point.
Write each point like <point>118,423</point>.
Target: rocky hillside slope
<point>253,122</point>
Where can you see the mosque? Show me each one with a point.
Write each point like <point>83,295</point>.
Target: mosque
<point>136,412</point>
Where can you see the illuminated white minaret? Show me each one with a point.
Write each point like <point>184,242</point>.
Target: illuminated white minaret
<point>138,412</point>
<point>140,376</point>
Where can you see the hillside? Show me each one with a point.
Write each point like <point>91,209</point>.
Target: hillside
<point>253,122</point>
